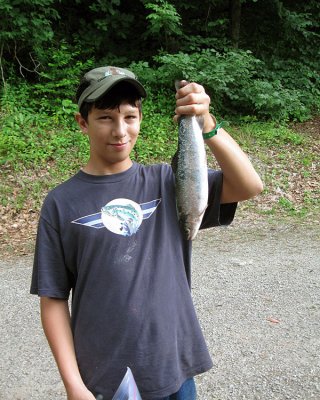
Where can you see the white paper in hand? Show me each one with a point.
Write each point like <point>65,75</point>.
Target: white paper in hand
<point>128,388</point>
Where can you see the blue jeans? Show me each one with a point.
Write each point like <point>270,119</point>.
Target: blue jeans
<point>186,392</point>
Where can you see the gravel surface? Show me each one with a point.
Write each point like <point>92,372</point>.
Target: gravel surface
<point>257,292</point>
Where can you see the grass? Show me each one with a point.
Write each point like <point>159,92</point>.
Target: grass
<point>37,153</point>
<point>288,162</point>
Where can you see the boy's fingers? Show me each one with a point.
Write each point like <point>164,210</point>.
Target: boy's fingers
<point>192,109</point>
<point>188,88</point>
<point>193,98</point>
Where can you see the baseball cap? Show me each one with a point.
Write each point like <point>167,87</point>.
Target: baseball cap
<point>102,79</point>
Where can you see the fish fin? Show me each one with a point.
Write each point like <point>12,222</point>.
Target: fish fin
<point>177,84</point>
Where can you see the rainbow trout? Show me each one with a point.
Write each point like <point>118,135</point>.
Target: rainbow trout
<point>191,174</point>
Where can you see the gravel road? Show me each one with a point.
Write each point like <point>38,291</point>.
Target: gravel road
<point>257,291</point>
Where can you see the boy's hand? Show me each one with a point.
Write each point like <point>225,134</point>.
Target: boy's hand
<point>191,99</point>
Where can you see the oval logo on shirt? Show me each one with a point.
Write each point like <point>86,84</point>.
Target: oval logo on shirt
<point>122,216</point>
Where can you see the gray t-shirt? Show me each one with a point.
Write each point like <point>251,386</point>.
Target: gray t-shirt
<point>115,241</point>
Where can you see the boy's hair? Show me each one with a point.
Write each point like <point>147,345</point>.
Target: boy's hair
<point>123,92</point>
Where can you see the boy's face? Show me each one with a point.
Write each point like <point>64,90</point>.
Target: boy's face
<point>112,135</point>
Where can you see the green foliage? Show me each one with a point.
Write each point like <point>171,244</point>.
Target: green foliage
<point>238,83</point>
<point>26,26</point>
<point>105,30</point>
<point>223,74</point>
<point>32,138</point>
<point>22,18</point>
<point>269,133</point>
<point>157,140</point>
<point>54,93</point>
<point>272,100</point>
<point>299,85</point>
<point>107,17</point>
<point>299,24</point>
<point>56,89</point>
<point>274,75</point>
<point>29,139</point>
<point>163,20</point>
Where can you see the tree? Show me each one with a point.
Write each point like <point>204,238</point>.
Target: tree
<point>26,25</point>
<point>163,20</point>
<point>235,18</point>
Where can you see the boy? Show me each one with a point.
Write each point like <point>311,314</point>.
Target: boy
<point>111,235</point>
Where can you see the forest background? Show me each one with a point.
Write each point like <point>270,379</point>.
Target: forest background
<point>257,59</point>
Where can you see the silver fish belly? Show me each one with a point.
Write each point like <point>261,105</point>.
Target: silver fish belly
<point>191,175</point>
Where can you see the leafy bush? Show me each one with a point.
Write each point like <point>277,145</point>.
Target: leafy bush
<point>54,92</point>
<point>26,30</point>
<point>57,86</point>
<point>31,137</point>
<point>163,20</point>
<point>239,83</point>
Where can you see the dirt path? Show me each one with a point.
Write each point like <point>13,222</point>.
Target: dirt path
<point>257,291</point>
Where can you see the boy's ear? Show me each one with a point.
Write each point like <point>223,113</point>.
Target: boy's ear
<point>83,124</point>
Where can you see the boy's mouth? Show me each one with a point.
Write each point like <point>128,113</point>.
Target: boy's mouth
<point>119,145</point>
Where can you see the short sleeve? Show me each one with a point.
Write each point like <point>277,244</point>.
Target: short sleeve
<point>50,277</point>
<point>217,214</point>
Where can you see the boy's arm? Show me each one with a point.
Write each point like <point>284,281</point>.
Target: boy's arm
<point>240,180</point>
<point>55,319</point>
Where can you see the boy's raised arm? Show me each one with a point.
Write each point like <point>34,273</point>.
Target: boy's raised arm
<point>240,180</point>
<point>55,317</point>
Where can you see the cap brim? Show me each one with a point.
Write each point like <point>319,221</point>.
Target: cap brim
<point>104,88</point>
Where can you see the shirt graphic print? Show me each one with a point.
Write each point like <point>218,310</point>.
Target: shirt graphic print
<point>120,216</point>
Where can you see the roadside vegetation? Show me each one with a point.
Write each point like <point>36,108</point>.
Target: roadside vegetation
<point>263,80</point>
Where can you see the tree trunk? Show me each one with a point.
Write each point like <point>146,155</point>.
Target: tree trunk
<point>235,17</point>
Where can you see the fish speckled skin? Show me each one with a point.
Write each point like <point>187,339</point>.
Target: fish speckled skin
<point>191,175</point>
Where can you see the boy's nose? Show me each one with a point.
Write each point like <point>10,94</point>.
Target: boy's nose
<point>119,130</point>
